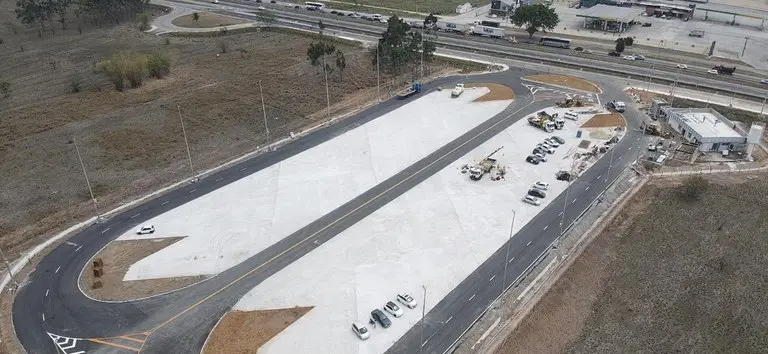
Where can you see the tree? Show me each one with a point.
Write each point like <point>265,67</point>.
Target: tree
<point>619,45</point>
<point>265,17</point>
<point>317,51</point>
<point>195,16</point>
<point>535,18</point>
<point>693,187</point>
<point>143,19</point>
<point>5,89</point>
<point>399,46</point>
<point>628,41</point>
<point>430,20</point>
<point>30,12</point>
<point>341,63</point>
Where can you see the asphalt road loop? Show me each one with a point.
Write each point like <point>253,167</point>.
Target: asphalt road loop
<point>565,81</point>
<point>498,92</point>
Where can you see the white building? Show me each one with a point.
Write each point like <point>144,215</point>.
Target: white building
<point>464,8</point>
<point>705,127</point>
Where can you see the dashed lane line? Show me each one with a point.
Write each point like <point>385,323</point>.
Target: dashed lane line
<point>511,259</point>
<point>57,270</point>
<point>545,228</point>
<point>105,230</point>
<point>165,202</point>
<point>473,296</point>
<point>219,179</point>
<point>494,276</point>
<point>135,215</point>
<point>192,191</point>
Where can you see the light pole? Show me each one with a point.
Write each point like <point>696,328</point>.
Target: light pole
<point>506,259</point>
<point>186,142</point>
<point>421,64</point>
<point>8,266</point>
<point>565,202</point>
<point>610,162</point>
<point>378,77</point>
<point>674,88</point>
<point>653,67</point>
<point>423,312</point>
<point>87,181</point>
<point>264,110</point>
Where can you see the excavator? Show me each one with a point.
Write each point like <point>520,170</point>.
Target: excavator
<point>485,165</point>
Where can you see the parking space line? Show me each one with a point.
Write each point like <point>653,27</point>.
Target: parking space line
<point>511,259</point>
<point>164,203</point>
<point>219,179</point>
<point>105,230</point>
<point>192,191</point>
<point>494,276</point>
<point>473,296</point>
<point>135,216</point>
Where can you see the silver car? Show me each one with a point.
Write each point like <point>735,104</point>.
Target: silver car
<point>532,200</point>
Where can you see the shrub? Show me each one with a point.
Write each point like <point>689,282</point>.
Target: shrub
<point>693,187</point>
<point>76,82</point>
<point>223,47</point>
<point>136,70</point>
<point>115,69</point>
<point>143,20</point>
<point>5,89</point>
<point>159,64</point>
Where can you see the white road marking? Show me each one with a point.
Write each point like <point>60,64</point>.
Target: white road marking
<point>219,179</point>
<point>46,292</point>
<point>561,213</point>
<point>449,320</point>
<point>57,270</point>
<point>243,169</point>
<point>78,248</point>
<point>574,201</point>
<point>164,203</point>
<point>511,259</point>
<point>425,343</point>
<point>492,278</point>
<point>134,216</point>
<point>528,244</point>
<point>43,317</point>
<point>598,177</point>
<point>546,227</point>
<point>473,296</point>
<point>192,191</point>
<point>587,188</point>
<point>630,148</point>
<point>105,230</point>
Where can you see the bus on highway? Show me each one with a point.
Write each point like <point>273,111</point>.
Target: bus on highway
<point>314,6</point>
<point>555,42</point>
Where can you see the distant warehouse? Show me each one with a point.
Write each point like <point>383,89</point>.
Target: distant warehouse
<point>705,127</point>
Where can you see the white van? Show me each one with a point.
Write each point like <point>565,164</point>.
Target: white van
<point>571,115</point>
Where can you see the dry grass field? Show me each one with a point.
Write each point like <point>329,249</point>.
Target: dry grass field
<point>667,276</point>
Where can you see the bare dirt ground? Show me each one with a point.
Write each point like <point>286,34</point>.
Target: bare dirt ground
<point>246,332</point>
<point>667,275</point>
<point>206,20</point>
<point>605,120</point>
<point>565,81</point>
<point>498,92</point>
<point>117,257</point>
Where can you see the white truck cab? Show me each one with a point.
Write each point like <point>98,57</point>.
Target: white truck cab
<point>457,90</point>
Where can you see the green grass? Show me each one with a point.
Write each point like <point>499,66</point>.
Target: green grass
<point>438,7</point>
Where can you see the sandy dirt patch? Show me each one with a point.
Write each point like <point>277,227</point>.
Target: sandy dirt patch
<point>206,20</point>
<point>498,92</point>
<point>667,275</point>
<point>117,257</point>
<point>566,81</point>
<point>605,120</point>
<point>247,331</point>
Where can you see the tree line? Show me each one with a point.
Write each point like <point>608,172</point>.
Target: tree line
<point>47,12</point>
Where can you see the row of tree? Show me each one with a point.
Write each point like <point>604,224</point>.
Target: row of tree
<point>42,12</point>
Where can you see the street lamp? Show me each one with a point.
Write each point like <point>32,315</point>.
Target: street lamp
<point>423,312</point>
<point>186,142</point>
<point>264,110</point>
<point>87,181</point>
<point>506,259</point>
<point>327,95</point>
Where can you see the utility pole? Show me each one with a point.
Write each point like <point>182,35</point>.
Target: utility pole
<point>186,142</point>
<point>87,181</point>
<point>762,108</point>
<point>327,95</point>
<point>264,110</point>
<point>506,260</point>
<point>8,266</point>
<point>674,88</point>
<point>565,202</point>
<point>745,46</point>
<point>421,64</point>
<point>423,312</point>
<point>378,94</point>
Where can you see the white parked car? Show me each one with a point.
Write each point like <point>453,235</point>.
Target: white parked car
<point>360,330</point>
<point>532,200</point>
<point>712,71</point>
<point>546,148</point>
<point>682,66</point>
<point>146,229</point>
<point>458,90</point>
<point>542,157</point>
<point>541,185</point>
<point>552,142</point>
<point>393,309</point>
<point>406,300</point>
<point>629,57</point>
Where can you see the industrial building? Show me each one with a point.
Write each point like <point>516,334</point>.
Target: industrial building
<point>610,18</point>
<point>707,128</point>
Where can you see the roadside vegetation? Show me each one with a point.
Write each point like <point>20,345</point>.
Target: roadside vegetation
<point>535,18</point>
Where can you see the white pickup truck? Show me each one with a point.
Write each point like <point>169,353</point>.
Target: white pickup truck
<point>458,90</point>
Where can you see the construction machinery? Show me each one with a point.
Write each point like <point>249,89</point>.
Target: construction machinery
<point>724,70</point>
<point>542,123</point>
<point>653,129</point>
<point>554,118</point>
<point>485,165</point>
<point>570,102</point>
<point>414,89</point>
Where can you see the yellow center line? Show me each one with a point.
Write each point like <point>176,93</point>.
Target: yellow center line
<point>113,344</point>
<point>131,339</point>
<point>334,222</point>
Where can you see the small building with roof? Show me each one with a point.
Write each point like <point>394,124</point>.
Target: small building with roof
<point>610,18</point>
<point>705,127</point>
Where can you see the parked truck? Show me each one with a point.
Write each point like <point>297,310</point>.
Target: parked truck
<point>493,32</point>
<point>617,106</point>
<point>724,70</point>
<point>414,89</point>
<point>485,165</point>
<point>542,123</point>
<point>457,90</point>
<point>559,123</point>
